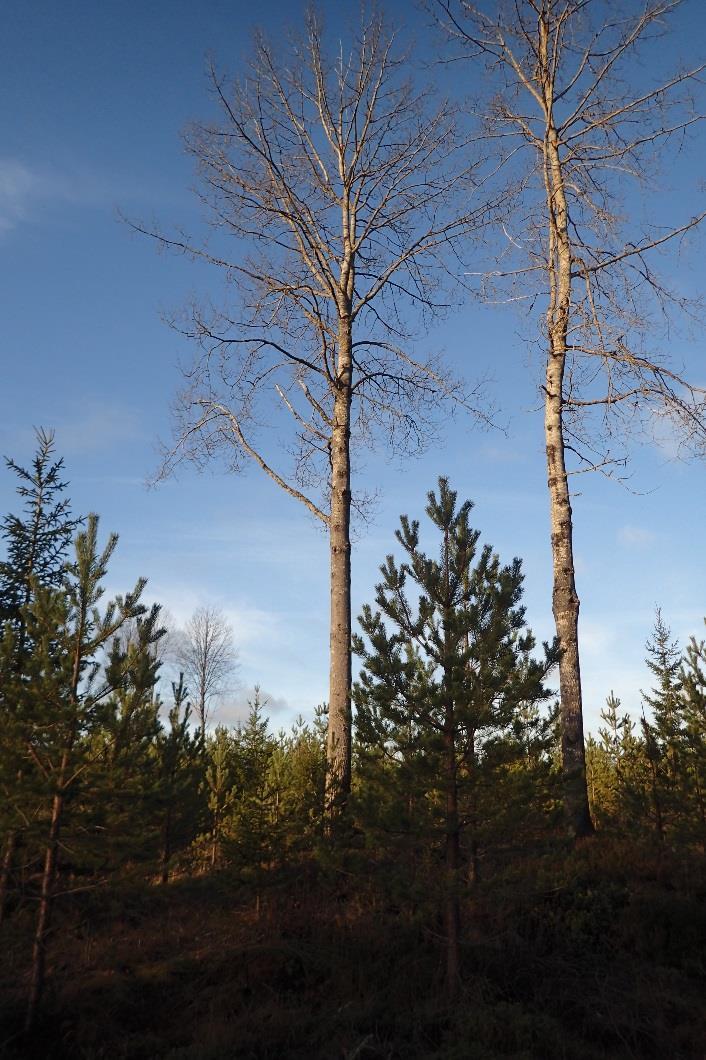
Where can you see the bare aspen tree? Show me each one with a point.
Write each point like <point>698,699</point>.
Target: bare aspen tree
<point>345,190</point>
<point>208,657</point>
<point>580,129</point>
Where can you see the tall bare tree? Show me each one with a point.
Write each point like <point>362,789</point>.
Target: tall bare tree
<point>345,190</point>
<point>580,128</point>
<point>208,657</point>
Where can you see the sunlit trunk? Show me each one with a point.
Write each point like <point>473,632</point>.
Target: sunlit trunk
<point>339,718</point>
<point>565,605</point>
<point>565,600</point>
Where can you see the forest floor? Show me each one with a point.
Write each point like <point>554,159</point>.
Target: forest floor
<point>595,952</point>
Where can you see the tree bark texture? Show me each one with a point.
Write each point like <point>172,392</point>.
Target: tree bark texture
<point>339,719</point>
<point>565,600</point>
<point>565,606</point>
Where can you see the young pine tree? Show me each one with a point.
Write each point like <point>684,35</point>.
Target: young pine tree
<point>444,677</point>
<point>179,753</point>
<point>665,731</point>
<point>664,661</point>
<point>59,702</point>
<point>120,791</point>
<point>297,778</point>
<point>255,809</point>
<point>36,543</point>
<point>618,773</point>
<point>693,681</point>
<point>220,785</point>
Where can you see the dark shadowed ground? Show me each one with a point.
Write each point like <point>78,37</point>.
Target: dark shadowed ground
<point>594,953</point>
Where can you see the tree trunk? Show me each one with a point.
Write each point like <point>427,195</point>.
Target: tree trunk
<point>6,869</point>
<point>702,807</point>
<point>565,605</point>
<point>474,865</point>
<point>338,750</point>
<point>45,904</point>
<point>52,849</point>
<point>166,845</point>
<point>659,823</point>
<point>215,839</point>
<point>565,601</point>
<point>201,709</point>
<point>453,862</point>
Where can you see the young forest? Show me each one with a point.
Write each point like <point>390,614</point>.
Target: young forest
<point>447,858</point>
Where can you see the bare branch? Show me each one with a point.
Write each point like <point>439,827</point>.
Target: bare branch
<point>281,482</point>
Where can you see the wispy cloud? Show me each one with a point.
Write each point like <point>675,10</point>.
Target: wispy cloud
<point>26,190</point>
<point>259,537</point>
<point>252,626</point>
<point>581,564</point>
<point>94,425</point>
<point>236,708</point>
<point>625,680</point>
<point>18,187</point>
<point>635,536</point>
<point>595,637</point>
<point>268,643</point>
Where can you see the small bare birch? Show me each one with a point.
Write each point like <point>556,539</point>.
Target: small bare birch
<point>208,658</point>
<point>582,130</point>
<point>343,192</point>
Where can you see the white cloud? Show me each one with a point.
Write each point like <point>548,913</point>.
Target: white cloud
<point>667,437</point>
<point>237,707</point>
<point>595,638</point>
<point>26,189</point>
<point>250,624</point>
<point>261,539</point>
<point>93,426</point>
<point>269,649</point>
<point>581,564</point>
<point>18,186</point>
<point>253,625</point>
<point>635,535</point>
<point>625,680</point>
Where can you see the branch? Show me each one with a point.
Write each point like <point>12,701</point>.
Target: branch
<point>633,251</point>
<point>221,410</point>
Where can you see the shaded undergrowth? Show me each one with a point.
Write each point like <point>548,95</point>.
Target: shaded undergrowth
<point>596,952</point>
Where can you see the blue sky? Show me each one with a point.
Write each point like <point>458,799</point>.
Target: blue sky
<point>94,98</point>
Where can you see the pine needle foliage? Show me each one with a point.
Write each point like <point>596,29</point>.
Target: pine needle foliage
<point>441,702</point>
<point>36,541</point>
